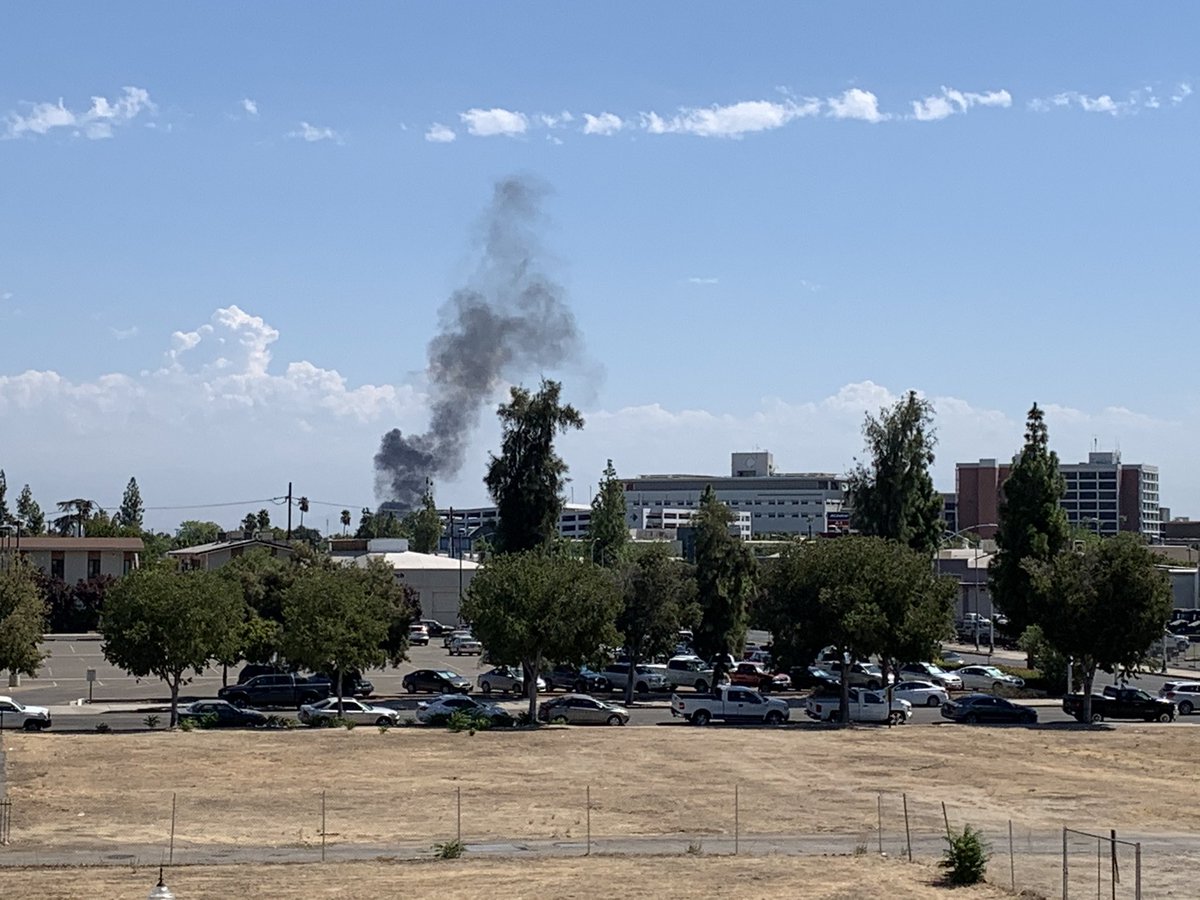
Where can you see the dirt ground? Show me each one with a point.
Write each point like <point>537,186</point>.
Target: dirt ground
<point>828,878</point>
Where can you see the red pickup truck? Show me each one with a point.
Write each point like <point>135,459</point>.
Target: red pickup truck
<point>753,675</point>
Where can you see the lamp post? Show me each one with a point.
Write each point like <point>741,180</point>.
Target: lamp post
<point>160,891</point>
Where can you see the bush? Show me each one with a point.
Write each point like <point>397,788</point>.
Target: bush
<point>186,724</point>
<point>449,850</point>
<point>103,728</point>
<point>208,720</point>
<point>274,721</point>
<point>966,858</point>
<point>469,721</point>
<point>151,721</point>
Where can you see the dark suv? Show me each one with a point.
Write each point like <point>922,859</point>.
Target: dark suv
<point>579,679</point>
<point>275,690</point>
<point>439,681</point>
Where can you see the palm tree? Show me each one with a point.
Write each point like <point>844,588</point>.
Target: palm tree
<point>303,509</point>
<point>345,520</point>
<point>74,513</point>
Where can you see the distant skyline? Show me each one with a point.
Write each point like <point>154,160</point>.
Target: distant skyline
<point>229,232</point>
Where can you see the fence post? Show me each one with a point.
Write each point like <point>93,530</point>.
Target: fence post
<point>1137,871</point>
<point>1115,875</point>
<point>322,825</point>
<point>172,850</point>
<point>946,819</point>
<point>1012,865</point>
<point>1064,864</point>
<point>879,811</point>
<point>1098,840</point>
<point>907,833</point>
<point>589,821</point>
<point>737,829</point>
<point>458,813</point>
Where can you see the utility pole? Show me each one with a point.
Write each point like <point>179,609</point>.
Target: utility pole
<point>289,528</point>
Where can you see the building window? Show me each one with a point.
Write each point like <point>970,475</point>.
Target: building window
<point>93,569</point>
<point>57,564</point>
<point>127,564</point>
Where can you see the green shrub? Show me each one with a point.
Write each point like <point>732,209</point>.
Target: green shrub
<point>151,721</point>
<point>186,724</point>
<point>449,850</point>
<point>103,728</point>
<point>468,720</point>
<point>966,858</point>
<point>208,720</point>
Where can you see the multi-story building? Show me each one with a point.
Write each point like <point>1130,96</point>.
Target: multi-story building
<point>463,525</point>
<point>77,558</point>
<point>656,518</point>
<point>1103,495</point>
<point>777,502</point>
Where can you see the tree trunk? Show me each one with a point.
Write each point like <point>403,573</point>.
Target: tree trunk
<point>532,668</point>
<point>224,674</point>
<point>337,673</point>
<point>633,660</point>
<point>844,712</point>
<point>174,684</point>
<point>1089,676</point>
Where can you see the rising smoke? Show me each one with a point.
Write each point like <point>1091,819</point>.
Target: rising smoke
<point>508,320</point>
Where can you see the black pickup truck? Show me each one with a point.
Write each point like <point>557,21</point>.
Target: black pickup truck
<point>276,690</point>
<point>1121,703</point>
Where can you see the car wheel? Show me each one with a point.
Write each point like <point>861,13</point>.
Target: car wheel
<point>1165,717</point>
<point>518,689</point>
<point>933,701</point>
<point>701,717</point>
<point>971,719</point>
<point>1185,708</point>
<point>410,686</point>
<point>996,685</point>
<point>384,722</point>
<point>559,720</point>
<point>580,686</point>
<point>239,702</point>
<point>486,687</point>
<point>701,686</point>
<point>615,720</point>
<point>774,717</point>
<point>1096,717</point>
<point>30,725</point>
<point>642,688</point>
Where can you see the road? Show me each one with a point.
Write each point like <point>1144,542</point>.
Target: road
<point>123,702</point>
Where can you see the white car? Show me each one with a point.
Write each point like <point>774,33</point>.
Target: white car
<point>465,646</point>
<point>927,671</point>
<point>987,678</point>
<point>921,693</point>
<point>448,704</point>
<point>352,710</point>
<point>18,715</point>
<point>508,679</point>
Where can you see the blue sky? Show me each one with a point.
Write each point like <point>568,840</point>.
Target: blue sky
<point>776,219</point>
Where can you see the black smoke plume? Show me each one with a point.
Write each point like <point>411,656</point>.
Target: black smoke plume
<point>508,320</point>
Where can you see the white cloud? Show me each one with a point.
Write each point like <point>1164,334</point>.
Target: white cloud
<point>6,295</point>
<point>440,134</point>
<point>314,133</point>
<point>950,101</point>
<point>606,123</point>
<point>732,121</point>
<point>124,334</point>
<point>699,279</point>
<point>856,103</point>
<point>492,122</point>
<point>1142,98</point>
<point>556,120</point>
<point>250,106</point>
<point>95,123</point>
<point>1181,93</point>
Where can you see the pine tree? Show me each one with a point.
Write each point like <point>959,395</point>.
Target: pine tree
<point>608,532</point>
<point>725,581</point>
<point>29,514</point>
<point>893,494</point>
<point>132,509</point>
<point>5,515</point>
<point>1033,525</point>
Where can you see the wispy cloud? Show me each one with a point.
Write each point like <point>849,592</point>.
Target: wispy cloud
<point>440,134</point>
<point>1135,101</point>
<point>495,121</point>
<point>732,121</point>
<point>698,279</point>
<point>856,104</point>
<point>605,124</point>
<point>950,101</point>
<point>124,334</point>
<point>314,133</point>
<point>1182,92</point>
<point>95,123</point>
<point>556,120</point>
<point>250,106</point>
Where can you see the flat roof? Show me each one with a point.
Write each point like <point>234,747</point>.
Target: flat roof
<point>201,549</point>
<point>79,543</point>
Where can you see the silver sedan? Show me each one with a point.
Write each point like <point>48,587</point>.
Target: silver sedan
<point>352,710</point>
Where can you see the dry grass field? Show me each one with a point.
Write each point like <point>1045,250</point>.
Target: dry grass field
<point>394,794</point>
<point>665,878</point>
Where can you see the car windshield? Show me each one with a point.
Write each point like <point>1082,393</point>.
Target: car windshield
<point>871,668</point>
<point>991,670</point>
<point>446,673</point>
<point>934,669</point>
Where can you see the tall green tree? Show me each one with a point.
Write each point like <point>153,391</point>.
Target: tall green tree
<point>345,520</point>
<point>534,607</point>
<point>1102,606</point>
<point>424,526</point>
<point>250,522</point>
<point>132,509</point>
<point>659,598</point>
<point>165,622</point>
<point>5,515</point>
<point>862,596</point>
<point>608,531</point>
<point>333,623</point>
<point>29,514</point>
<point>373,525</point>
<point>263,520</point>
<point>526,479</point>
<point>892,493</point>
<point>22,618</point>
<point>725,583</point>
<point>193,533</point>
<point>1033,526</point>
<point>75,513</point>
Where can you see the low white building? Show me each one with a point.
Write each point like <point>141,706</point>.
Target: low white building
<point>439,581</point>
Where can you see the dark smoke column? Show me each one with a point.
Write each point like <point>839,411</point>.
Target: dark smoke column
<point>509,320</point>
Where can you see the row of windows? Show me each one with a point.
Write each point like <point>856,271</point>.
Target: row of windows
<point>1090,495</point>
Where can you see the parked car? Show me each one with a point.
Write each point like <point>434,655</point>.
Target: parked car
<point>1184,694</point>
<point>465,646</point>
<point>418,636</point>
<point>437,681</point>
<point>580,709</point>
<point>813,677</point>
<point>275,690</point>
<point>986,709</point>
<point>862,674</point>
<point>353,684</point>
<point>951,658</point>
<point>449,636</point>
<point>436,628</point>
<point>972,626</point>
<point>865,706</point>
<point>508,679</point>
<point>352,710</point>
<point>18,715</point>
<point>921,693</point>
<point>1121,703</point>
<point>579,679</point>
<point>729,703</point>
<point>440,709</point>
<point>754,675</point>
<point>253,670</point>
<point>644,681</point>
<point>689,671</point>
<point>222,714</point>
<point>927,671</point>
<point>988,678</point>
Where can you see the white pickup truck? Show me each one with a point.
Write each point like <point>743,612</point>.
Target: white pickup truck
<point>730,703</point>
<point>865,706</point>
